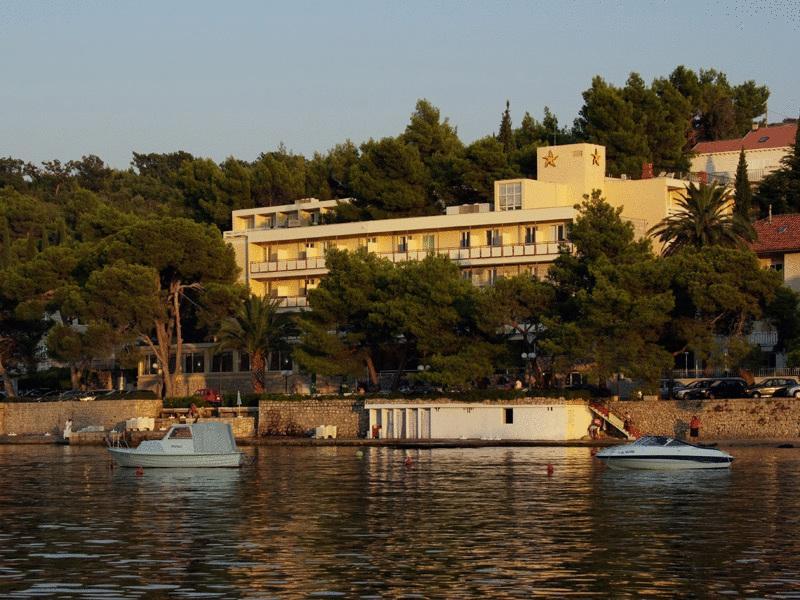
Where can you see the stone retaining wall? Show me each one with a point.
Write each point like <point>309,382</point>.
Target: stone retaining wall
<point>296,417</point>
<point>766,418</point>
<point>23,418</point>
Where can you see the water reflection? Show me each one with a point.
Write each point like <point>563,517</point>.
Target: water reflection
<point>307,522</point>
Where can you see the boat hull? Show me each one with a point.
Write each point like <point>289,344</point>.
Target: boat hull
<point>126,457</point>
<point>665,463</point>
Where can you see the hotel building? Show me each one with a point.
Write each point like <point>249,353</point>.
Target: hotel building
<point>281,249</point>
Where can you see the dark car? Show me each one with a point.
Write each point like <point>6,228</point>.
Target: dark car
<point>683,392</point>
<point>209,395</point>
<point>720,388</point>
<point>768,387</point>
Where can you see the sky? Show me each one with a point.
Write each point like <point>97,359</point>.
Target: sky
<point>221,79</point>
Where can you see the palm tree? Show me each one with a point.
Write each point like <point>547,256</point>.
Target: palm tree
<point>705,218</point>
<point>259,329</point>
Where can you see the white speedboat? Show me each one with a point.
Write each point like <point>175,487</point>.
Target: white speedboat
<point>193,445</point>
<point>661,452</point>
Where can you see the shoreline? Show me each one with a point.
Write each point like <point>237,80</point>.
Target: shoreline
<point>32,440</point>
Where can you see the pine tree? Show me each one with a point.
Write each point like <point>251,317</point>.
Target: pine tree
<point>6,255</point>
<point>506,134</point>
<point>743,193</point>
<point>62,232</point>
<point>30,247</point>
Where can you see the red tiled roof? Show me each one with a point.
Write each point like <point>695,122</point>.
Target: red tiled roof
<point>782,233</point>
<point>774,136</point>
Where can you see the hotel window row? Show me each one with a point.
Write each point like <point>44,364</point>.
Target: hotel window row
<point>223,362</point>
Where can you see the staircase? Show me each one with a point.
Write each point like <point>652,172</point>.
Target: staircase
<point>614,420</point>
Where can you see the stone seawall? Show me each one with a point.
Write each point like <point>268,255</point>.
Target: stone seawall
<point>295,417</point>
<point>744,419</point>
<point>25,418</point>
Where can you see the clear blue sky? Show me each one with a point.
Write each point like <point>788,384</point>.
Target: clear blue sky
<point>237,78</point>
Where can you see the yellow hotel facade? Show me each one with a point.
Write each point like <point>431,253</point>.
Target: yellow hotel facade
<point>281,249</point>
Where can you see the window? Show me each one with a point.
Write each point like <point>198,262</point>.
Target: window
<point>314,218</point>
<point>280,361</point>
<point>402,243</point>
<point>309,244</point>
<point>558,233</point>
<point>509,416</point>
<point>222,363</point>
<point>151,366</point>
<point>493,237</point>
<point>465,239</point>
<point>181,433</point>
<point>429,242</point>
<point>194,362</point>
<point>244,362</point>
<point>510,196</point>
<point>530,235</point>
<point>776,265</point>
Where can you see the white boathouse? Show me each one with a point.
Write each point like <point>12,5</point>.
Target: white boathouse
<point>521,419</point>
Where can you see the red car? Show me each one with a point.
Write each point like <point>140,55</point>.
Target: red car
<point>209,395</point>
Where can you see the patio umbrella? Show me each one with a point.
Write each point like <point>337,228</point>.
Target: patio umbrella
<point>238,398</point>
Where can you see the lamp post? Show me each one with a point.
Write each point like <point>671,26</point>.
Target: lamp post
<point>286,372</point>
<point>528,358</point>
<point>686,364</point>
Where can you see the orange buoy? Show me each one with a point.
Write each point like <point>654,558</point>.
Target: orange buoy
<point>408,461</point>
<point>139,471</point>
<point>550,470</point>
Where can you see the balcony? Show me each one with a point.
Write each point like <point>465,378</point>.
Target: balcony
<point>289,302</point>
<point>458,255</point>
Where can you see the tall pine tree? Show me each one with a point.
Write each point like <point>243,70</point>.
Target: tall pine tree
<point>743,193</point>
<point>506,134</point>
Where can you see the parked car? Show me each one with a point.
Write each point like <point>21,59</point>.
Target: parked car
<point>791,391</point>
<point>733,387</point>
<point>668,387</point>
<point>769,386</point>
<point>680,394</point>
<point>209,395</point>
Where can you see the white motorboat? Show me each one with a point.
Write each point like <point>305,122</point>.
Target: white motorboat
<point>208,444</point>
<point>661,452</point>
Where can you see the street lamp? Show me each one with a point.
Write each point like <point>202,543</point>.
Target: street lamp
<point>286,372</point>
<point>686,364</point>
<point>528,358</point>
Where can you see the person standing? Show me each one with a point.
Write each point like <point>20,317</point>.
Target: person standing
<point>694,427</point>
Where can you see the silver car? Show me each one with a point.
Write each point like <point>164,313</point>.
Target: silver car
<point>768,387</point>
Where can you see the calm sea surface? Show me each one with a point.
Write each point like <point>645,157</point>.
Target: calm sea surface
<point>330,522</point>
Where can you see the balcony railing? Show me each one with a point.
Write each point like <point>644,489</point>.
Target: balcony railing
<point>455,254</point>
<point>293,302</point>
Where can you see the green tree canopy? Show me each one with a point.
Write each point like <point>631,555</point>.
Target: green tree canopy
<point>390,180</point>
<point>185,257</point>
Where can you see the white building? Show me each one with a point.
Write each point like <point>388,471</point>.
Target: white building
<point>528,419</point>
<point>764,147</point>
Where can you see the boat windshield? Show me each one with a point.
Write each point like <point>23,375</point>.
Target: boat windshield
<point>181,433</point>
<point>659,440</point>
